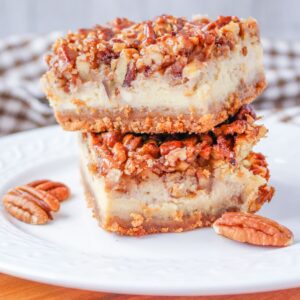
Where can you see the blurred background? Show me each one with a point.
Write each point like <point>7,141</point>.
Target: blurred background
<point>277,18</point>
<point>28,28</point>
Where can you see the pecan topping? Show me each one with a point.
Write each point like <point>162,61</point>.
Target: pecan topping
<point>193,155</point>
<point>133,153</point>
<point>164,44</point>
<point>56,189</point>
<point>253,229</point>
<point>34,202</point>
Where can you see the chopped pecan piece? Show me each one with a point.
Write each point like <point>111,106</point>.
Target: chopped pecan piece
<point>151,148</point>
<point>130,75</point>
<point>111,138</point>
<point>167,147</point>
<point>119,153</point>
<point>149,33</point>
<point>132,142</point>
<point>67,54</point>
<point>259,165</point>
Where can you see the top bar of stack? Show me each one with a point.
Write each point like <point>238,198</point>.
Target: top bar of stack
<point>166,133</point>
<point>169,75</point>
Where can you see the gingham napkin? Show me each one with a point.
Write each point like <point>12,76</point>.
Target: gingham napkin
<point>23,104</point>
<point>282,96</point>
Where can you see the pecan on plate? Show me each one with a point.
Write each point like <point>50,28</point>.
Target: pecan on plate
<point>253,229</point>
<point>56,189</point>
<point>30,205</point>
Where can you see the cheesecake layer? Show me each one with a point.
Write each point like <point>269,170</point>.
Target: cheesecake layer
<point>140,184</point>
<point>187,79</point>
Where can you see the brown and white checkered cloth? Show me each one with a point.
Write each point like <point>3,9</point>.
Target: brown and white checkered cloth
<point>23,104</point>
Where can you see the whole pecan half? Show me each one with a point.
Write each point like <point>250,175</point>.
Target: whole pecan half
<point>253,229</point>
<point>30,205</point>
<point>56,189</point>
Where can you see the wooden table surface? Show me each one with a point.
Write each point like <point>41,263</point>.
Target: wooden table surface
<point>12,288</point>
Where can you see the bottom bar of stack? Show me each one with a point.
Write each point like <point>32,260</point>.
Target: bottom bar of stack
<point>139,184</point>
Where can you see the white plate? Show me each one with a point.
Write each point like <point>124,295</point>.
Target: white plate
<point>73,251</point>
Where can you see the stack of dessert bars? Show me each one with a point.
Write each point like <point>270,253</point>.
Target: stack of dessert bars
<point>166,129</point>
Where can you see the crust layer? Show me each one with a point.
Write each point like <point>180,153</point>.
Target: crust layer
<point>145,121</point>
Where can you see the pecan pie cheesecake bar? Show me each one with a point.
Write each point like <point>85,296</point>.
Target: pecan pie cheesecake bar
<point>167,75</point>
<point>138,184</point>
